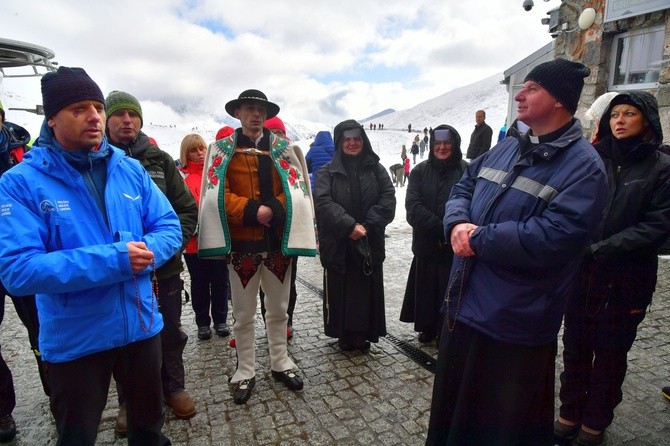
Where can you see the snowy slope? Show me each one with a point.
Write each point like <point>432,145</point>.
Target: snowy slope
<point>456,108</point>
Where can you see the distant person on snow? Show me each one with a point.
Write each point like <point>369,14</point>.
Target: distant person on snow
<point>397,174</point>
<point>414,150</point>
<point>480,140</point>
<point>110,228</point>
<point>406,167</point>
<point>124,124</point>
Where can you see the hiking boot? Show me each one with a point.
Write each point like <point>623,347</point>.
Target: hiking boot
<point>222,329</point>
<point>121,425</point>
<point>182,404</point>
<point>7,428</point>
<point>204,333</point>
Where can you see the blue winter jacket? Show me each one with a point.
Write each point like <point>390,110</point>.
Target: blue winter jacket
<point>55,243</point>
<point>535,215</point>
<point>320,153</point>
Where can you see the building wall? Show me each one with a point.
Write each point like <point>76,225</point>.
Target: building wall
<point>592,47</point>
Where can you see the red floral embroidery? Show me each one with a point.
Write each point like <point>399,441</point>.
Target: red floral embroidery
<point>284,164</point>
<point>214,180</point>
<point>245,265</point>
<point>291,181</point>
<point>293,173</point>
<point>277,263</point>
<point>217,161</point>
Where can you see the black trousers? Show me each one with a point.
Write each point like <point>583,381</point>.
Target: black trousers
<point>293,294</point>
<point>79,390</point>
<point>210,288</point>
<point>489,392</point>
<point>597,338</point>
<point>173,339</point>
<point>27,312</point>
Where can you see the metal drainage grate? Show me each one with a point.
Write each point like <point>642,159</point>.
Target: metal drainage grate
<point>415,354</point>
<point>318,291</point>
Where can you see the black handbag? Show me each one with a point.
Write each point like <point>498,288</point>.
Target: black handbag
<point>360,250</point>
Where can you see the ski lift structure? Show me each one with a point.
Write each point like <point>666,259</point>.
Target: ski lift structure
<point>37,59</point>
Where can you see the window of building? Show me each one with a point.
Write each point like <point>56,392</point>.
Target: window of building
<point>636,59</point>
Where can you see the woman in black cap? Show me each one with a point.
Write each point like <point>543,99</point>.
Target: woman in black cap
<point>354,200</point>
<point>618,273</point>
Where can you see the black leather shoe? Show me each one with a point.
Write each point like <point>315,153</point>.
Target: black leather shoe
<point>7,428</point>
<point>564,431</point>
<point>587,439</point>
<point>242,390</point>
<point>204,333</point>
<point>425,337</point>
<point>222,329</point>
<point>345,345</point>
<point>361,344</point>
<point>289,378</point>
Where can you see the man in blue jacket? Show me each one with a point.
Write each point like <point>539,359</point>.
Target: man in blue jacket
<point>83,227</point>
<point>518,220</point>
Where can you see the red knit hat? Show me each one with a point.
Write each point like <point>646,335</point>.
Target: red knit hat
<point>275,124</point>
<point>224,131</point>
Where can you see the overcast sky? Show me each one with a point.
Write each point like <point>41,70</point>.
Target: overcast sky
<point>320,60</point>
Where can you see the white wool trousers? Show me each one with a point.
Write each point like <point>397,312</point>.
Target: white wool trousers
<point>245,303</point>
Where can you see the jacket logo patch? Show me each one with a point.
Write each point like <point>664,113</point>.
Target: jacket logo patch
<point>63,205</point>
<point>131,198</point>
<point>47,207</point>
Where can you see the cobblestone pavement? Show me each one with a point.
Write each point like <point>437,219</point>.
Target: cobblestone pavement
<point>381,397</point>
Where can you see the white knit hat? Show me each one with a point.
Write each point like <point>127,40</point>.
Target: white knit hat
<point>595,112</point>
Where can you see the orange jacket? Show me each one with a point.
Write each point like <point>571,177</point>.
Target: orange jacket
<point>252,181</point>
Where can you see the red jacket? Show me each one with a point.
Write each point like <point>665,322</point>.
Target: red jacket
<point>193,180</point>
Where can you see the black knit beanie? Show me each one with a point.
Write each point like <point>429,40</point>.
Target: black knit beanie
<point>66,86</point>
<point>563,79</point>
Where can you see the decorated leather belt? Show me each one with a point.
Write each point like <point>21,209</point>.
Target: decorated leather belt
<point>252,151</point>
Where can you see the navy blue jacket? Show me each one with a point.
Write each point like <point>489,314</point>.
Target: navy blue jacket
<point>535,216</point>
<point>320,153</point>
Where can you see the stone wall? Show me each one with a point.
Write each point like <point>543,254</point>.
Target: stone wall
<point>593,47</point>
